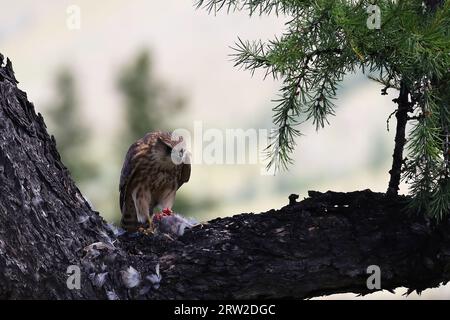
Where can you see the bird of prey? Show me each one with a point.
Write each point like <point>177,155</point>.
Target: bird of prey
<point>155,167</point>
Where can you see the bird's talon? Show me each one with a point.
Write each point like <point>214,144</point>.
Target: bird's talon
<point>151,227</point>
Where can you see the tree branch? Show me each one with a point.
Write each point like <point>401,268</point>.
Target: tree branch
<point>400,139</point>
<point>322,245</point>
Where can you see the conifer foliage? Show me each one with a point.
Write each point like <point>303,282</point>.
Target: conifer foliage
<point>408,50</point>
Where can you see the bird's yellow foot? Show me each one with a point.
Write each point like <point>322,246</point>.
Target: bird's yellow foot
<point>149,231</point>
<point>145,231</point>
<point>151,227</point>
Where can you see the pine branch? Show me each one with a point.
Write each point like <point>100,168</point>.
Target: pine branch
<point>326,39</point>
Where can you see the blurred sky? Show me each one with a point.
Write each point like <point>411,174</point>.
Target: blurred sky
<point>191,53</point>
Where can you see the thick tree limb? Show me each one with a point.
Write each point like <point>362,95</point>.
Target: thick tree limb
<point>322,245</point>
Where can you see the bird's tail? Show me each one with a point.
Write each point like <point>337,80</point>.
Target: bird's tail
<point>129,220</point>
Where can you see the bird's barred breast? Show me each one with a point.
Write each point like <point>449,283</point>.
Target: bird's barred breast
<point>155,177</point>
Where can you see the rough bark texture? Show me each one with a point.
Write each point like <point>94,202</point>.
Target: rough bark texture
<point>322,245</point>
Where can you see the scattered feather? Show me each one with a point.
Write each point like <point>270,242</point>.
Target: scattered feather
<point>130,277</point>
<point>116,230</point>
<point>155,279</point>
<point>82,219</point>
<point>100,246</point>
<point>99,279</point>
<point>92,251</point>
<point>111,295</point>
<point>91,254</point>
<point>106,237</point>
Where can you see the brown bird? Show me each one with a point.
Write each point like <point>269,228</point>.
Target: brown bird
<point>155,167</point>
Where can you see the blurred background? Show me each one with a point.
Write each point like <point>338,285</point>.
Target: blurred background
<point>130,67</point>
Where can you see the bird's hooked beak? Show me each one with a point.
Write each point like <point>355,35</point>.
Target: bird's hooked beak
<point>186,156</point>
<point>177,154</point>
<point>180,155</point>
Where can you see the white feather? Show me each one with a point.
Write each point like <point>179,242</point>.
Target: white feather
<point>130,277</point>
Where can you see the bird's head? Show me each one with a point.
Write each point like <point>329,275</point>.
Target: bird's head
<point>173,152</point>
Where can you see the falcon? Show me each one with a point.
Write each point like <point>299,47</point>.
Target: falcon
<point>155,167</point>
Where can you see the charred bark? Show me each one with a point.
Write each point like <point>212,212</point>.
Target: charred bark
<point>322,245</point>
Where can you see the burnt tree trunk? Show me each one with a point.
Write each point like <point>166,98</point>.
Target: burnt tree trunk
<point>322,245</point>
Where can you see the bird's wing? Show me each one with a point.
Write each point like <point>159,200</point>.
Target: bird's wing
<point>128,170</point>
<point>185,174</point>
